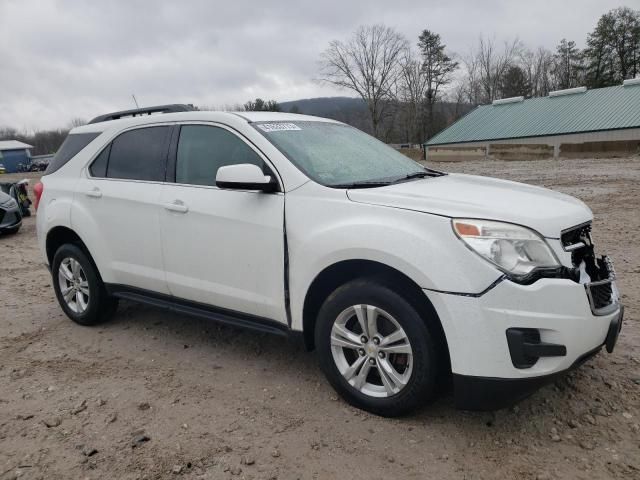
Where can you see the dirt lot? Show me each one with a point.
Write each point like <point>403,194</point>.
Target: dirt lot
<point>158,395</point>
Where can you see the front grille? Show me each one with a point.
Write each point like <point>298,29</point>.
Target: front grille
<point>601,295</point>
<point>599,270</point>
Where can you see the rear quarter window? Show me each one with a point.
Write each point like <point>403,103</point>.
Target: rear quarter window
<point>72,145</point>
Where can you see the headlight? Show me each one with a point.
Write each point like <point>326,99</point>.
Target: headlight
<point>513,249</point>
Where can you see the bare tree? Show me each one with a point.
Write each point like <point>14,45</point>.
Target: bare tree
<point>538,65</point>
<point>411,92</point>
<point>77,122</point>
<point>469,85</point>
<point>491,63</point>
<point>368,63</point>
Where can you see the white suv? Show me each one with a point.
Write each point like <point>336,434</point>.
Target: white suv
<point>398,275</point>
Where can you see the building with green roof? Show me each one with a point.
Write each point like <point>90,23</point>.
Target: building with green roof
<point>559,123</point>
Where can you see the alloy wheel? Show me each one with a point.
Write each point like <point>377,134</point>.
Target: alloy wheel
<point>74,286</point>
<point>371,350</point>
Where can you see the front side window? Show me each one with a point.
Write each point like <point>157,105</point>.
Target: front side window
<point>336,155</point>
<point>202,150</point>
<point>137,155</point>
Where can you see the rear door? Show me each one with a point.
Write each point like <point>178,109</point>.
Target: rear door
<point>118,206</point>
<point>221,247</point>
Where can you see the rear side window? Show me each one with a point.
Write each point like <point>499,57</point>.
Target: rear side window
<point>134,155</point>
<point>71,146</point>
<point>202,150</point>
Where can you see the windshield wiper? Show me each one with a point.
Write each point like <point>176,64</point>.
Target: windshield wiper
<point>427,172</point>
<point>417,175</point>
<point>371,184</point>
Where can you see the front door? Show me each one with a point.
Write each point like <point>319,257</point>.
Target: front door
<point>221,247</point>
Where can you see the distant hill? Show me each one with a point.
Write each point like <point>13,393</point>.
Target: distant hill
<point>324,106</point>
<point>344,109</point>
<point>353,111</point>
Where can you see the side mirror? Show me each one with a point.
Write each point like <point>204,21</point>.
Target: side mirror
<point>245,176</point>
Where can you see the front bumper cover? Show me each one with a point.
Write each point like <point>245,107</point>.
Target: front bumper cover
<point>489,393</point>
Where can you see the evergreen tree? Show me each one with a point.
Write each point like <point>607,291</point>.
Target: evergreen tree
<point>515,83</point>
<point>613,48</point>
<point>568,68</point>
<point>438,68</point>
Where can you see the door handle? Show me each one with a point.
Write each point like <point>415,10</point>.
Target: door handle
<point>176,206</point>
<point>94,192</point>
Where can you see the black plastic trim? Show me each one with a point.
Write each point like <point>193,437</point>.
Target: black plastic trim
<point>490,393</point>
<point>196,309</point>
<point>561,272</point>
<point>269,187</point>
<point>285,241</point>
<point>526,348</point>
<point>614,331</point>
<point>474,295</point>
<point>136,112</point>
<point>172,152</point>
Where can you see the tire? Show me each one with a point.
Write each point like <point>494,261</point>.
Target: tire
<point>416,372</point>
<point>89,303</point>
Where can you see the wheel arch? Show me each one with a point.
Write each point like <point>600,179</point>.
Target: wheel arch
<point>337,274</point>
<point>58,236</point>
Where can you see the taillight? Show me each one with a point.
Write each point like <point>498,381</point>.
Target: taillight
<point>38,188</point>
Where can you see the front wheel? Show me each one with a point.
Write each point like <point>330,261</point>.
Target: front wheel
<point>375,349</point>
<point>78,287</point>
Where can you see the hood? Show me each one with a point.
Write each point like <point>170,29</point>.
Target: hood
<point>472,196</point>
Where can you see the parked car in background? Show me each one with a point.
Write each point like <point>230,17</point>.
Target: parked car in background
<point>39,163</point>
<point>397,274</point>
<point>2,169</point>
<point>20,193</point>
<point>10,216</point>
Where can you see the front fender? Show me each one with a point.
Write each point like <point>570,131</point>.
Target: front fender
<point>323,231</point>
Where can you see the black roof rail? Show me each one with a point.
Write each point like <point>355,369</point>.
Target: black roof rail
<point>176,107</point>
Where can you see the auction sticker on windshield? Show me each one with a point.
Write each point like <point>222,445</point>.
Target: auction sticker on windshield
<point>278,127</point>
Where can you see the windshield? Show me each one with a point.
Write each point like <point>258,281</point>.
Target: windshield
<point>337,155</point>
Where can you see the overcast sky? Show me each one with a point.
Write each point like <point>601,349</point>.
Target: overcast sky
<point>67,59</point>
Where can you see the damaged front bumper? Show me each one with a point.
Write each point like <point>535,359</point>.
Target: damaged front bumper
<point>518,336</point>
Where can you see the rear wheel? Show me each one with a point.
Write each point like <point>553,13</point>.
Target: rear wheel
<point>78,287</point>
<point>375,349</point>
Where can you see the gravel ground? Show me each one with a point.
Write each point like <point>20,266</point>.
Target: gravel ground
<point>159,395</point>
